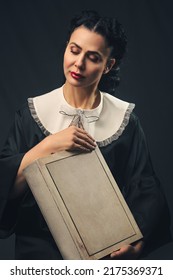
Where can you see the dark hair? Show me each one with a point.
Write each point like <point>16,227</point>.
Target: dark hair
<point>115,37</point>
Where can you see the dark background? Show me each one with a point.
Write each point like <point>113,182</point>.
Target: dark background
<point>32,40</point>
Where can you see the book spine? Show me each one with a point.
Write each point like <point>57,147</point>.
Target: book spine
<point>51,213</point>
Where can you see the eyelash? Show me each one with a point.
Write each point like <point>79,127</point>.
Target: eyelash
<point>74,52</point>
<point>93,59</point>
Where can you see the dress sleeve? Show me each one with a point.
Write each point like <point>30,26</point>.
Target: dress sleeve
<point>143,194</point>
<point>10,159</point>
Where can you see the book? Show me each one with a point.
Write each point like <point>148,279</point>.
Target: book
<point>82,204</point>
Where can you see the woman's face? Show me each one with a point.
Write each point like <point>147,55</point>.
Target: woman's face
<point>85,58</point>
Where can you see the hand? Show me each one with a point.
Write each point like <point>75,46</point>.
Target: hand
<point>71,138</point>
<point>128,252</point>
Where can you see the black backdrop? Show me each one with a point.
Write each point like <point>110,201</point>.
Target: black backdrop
<point>32,38</point>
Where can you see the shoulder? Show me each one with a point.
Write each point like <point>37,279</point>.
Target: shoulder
<point>117,108</point>
<point>125,109</point>
<point>115,117</point>
<point>46,101</point>
<point>26,128</point>
<point>23,112</point>
<point>135,123</point>
<point>44,109</point>
<point>134,120</point>
<point>24,119</point>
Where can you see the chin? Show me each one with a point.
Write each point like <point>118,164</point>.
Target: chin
<point>75,83</point>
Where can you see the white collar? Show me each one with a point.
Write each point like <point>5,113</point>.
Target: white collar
<point>105,123</point>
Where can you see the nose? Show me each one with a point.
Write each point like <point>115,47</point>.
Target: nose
<point>80,62</point>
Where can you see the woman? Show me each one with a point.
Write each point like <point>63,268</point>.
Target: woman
<point>77,116</point>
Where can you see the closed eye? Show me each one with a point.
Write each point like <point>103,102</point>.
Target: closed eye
<point>74,50</point>
<point>94,58</point>
<point>91,55</point>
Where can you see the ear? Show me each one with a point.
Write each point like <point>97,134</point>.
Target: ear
<point>110,63</point>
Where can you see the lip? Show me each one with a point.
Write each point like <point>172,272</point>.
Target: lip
<point>76,76</point>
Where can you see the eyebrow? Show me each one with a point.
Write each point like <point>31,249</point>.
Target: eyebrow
<point>91,52</point>
<point>73,43</point>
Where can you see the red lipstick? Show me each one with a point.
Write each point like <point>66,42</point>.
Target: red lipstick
<point>76,75</point>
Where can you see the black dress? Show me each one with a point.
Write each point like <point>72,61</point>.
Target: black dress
<point>129,161</point>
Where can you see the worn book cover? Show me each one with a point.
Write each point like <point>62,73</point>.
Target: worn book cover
<point>82,204</point>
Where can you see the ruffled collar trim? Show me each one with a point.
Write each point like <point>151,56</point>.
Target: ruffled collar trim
<point>105,123</point>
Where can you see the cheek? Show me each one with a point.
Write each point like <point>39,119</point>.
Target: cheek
<point>97,72</point>
<point>67,61</point>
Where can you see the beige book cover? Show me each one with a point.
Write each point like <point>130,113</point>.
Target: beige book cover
<point>82,204</point>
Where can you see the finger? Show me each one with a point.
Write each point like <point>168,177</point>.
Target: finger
<point>86,138</point>
<point>80,148</point>
<point>125,251</point>
<point>84,133</point>
<point>85,143</point>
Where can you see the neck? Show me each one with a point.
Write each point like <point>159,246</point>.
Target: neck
<point>84,98</point>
